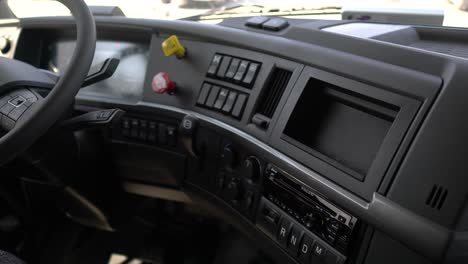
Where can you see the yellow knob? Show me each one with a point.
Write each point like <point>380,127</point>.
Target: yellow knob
<point>172,46</point>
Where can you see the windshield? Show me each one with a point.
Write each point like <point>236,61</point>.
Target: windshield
<point>450,12</point>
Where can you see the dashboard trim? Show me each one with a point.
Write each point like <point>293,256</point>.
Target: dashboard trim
<point>418,233</point>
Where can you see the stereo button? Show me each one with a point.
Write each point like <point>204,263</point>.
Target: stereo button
<point>284,231</point>
<point>212,96</point>
<point>241,71</point>
<point>214,64</point>
<point>232,68</point>
<point>305,247</point>
<point>269,220</point>
<point>205,90</point>
<point>318,253</point>
<point>294,240</point>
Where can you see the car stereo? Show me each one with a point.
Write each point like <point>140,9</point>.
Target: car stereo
<point>325,220</point>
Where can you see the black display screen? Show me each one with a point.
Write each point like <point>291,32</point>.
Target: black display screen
<point>128,80</point>
<point>339,128</point>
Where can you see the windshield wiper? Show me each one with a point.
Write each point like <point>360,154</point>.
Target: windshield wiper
<point>245,9</point>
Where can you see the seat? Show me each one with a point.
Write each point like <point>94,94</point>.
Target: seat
<point>7,258</point>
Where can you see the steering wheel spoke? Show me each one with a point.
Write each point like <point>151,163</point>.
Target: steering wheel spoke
<point>14,105</point>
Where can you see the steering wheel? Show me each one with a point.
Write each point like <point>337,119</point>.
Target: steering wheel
<point>25,115</point>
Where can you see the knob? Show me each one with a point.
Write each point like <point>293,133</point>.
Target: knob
<point>5,44</point>
<point>313,220</point>
<point>162,84</point>
<point>233,191</point>
<point>251,168</point>
<point>228,157</point>
<point>171,46</point>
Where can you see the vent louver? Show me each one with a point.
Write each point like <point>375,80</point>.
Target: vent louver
<point>436,197</point>
<point>271,96</point>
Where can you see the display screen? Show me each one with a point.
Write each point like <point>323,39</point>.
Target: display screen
<point>339,128</point>
<point>127,82</point>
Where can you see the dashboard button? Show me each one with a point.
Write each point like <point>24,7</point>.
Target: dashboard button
<point>7,108</point>
<point>212,96</point>
<point>247,201</point>
<point>8,123</point>
<point>228,157</point>
<point>233,191</point>
<point>294,240</point>
<point>143,133</point>
<point>231,99</point>
<point>126,127</point>
<point>103,115</point>
<point>241,71</point>
<point>162,136</point>
<point>16,113</point>
<point>171,46</point>
<point>275,24</point>
<point>220,180</point>
<point>205,90</point>
<point>232,68</point>
<point>221,99</point>
<point>256,22</point>
<point>134,123</point>
<point>171,135</point>
<point>214,64</point>
<point>283,231</point>
<point>251,73</point>
<point>152,128</point>
<point>224,66</point>
<point>318,252</point>
<point>268,220</point>
<point>162,83</point>
<point>4,101</point>
<point>251,169</point>
<point>305,247</point>
<point>239,106</point>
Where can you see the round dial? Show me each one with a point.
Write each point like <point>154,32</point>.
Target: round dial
<point>251,168</point>
<point>233,190</point>
<point>228,157</point>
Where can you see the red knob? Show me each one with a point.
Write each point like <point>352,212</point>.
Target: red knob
<point>162,83</point>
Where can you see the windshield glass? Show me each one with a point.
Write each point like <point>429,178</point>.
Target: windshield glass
<point>454,12</point>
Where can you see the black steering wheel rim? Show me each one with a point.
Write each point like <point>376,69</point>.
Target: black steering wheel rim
<point>45,113</point>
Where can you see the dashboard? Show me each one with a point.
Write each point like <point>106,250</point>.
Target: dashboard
<point>322,144</point>
<point>128,79</point>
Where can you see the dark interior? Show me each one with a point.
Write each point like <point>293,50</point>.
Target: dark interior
<point>313,147</point>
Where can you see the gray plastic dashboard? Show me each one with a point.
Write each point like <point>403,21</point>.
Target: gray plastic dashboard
<point>426,146</point>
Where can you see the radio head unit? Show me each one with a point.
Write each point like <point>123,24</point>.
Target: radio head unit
<point>328,222</point>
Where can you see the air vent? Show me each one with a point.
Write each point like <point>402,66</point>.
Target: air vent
<point>271,96</point>
<point>437,197</point>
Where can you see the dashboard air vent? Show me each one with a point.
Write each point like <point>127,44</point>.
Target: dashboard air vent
<point>271,96</point>
<point>437,197</point>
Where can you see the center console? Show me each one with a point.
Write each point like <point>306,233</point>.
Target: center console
<point>302,220</point>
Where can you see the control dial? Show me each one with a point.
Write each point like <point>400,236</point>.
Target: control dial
<point>251,168</point>
<point>233,191</point>
<point>228,157</point>
<point>313,220</point>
